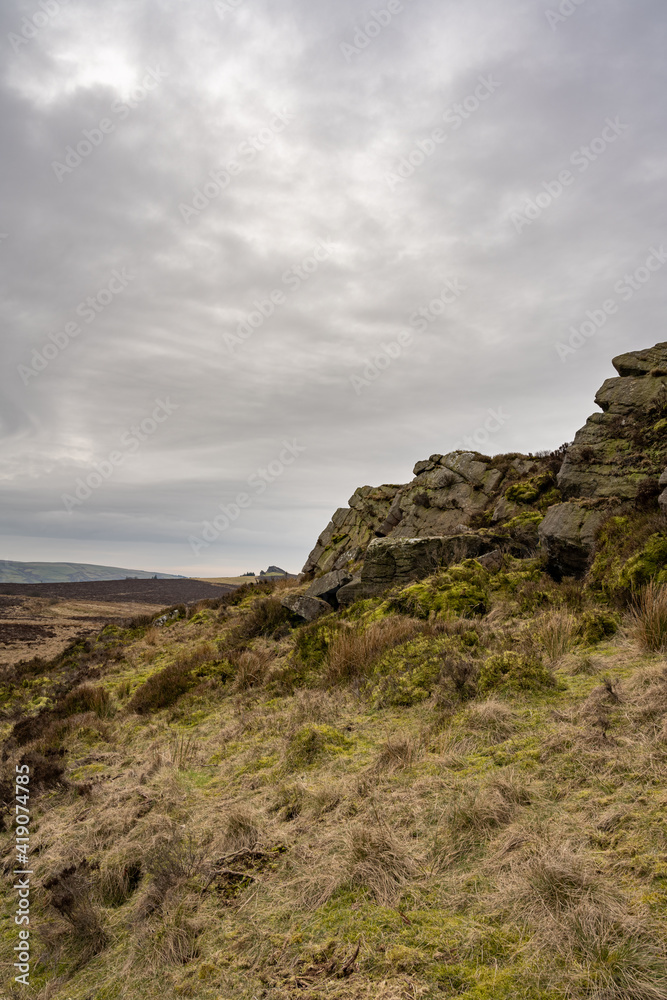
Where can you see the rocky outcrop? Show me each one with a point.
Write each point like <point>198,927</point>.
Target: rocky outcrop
<point>626,444</point>
<point>616,457</point>
<point>449,495</point>
<point>390,534</point>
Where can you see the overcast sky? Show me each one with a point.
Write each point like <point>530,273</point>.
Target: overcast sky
<point>371,161</point>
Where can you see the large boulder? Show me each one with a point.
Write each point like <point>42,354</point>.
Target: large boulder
<point>327,586</point>
<point>568,534</point>
<point>308,608</point>
<point>395,562</point>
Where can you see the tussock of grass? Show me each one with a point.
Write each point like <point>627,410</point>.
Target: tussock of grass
<point>355,649</point>
<point>648,619</point>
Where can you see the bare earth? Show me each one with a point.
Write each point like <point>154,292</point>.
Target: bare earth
<point>40,619</point>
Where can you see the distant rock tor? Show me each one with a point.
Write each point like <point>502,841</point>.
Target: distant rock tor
<point>466,505</point>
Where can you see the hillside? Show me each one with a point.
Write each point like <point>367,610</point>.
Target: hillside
<point>434,766</point>
<point>48,572</point>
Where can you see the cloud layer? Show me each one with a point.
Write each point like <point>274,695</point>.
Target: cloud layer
<point>355,230</point>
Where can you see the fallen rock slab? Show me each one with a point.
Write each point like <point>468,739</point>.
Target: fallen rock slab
<point>309,608</point>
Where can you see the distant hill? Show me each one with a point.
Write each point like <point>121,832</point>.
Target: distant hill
<point>54,572</point>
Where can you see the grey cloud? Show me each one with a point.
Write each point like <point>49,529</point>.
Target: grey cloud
<point>323,178</point>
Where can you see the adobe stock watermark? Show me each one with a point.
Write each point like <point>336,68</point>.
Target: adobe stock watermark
<point>88,310</point>
<point>582,158</point>
<point>565,10</point>
<point>246,153</point>
<point>480,437</point>
<point>225,7</point>
<point>131,441</point>
<point>94,137</point>
<point>258,482</point>
<point>625,288</point>
<point>419,320</point>
<point>292,278</point>
<point>454,117</point>
<point>3,237</point>
<point>31,26</point>
<point>377,22</point>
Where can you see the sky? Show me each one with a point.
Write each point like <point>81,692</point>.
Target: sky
<point>255,255</point>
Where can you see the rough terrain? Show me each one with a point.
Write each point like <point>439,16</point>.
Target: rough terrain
<point>435,766</point>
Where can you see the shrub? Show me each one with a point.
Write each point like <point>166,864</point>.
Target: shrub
<point>512,671</point>
<point>594,626</point>
<point>266,617</point>
<point>648,618</point>
<point>69,893</point>
<point>409,673</point>
<point>250,667</point>
<point>162,689</point>
<point>86,698</point>
<point>648,564</point>
<point>168,863</point>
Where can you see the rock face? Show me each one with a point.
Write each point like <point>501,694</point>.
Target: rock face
<point>617,456</point>
<point>568,535</point>
<point>473,504</point>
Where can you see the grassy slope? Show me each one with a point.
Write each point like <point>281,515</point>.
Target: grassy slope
<point>46,572</point>
<point>472,833</point>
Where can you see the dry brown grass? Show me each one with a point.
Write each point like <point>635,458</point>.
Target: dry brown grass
<point>398,753</point>
<point>378,861</point>
<point>576,912</point>
<point>355,649</point>
<point>554,633</point>
<point>242,830</point>
<point>251,667</point>
<point>492,718</point>
<point>647,622</point>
